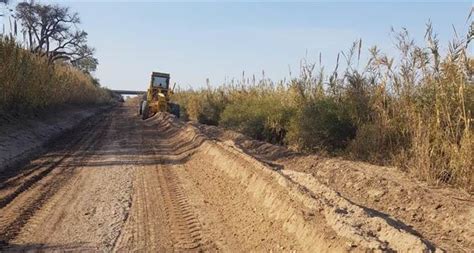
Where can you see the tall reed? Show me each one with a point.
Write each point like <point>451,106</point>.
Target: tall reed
<point>29,83</point>
<point>413,110</point>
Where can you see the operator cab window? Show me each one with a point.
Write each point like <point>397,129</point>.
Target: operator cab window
<point>160,82</point>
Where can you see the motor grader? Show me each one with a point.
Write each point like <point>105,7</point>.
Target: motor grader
<point>157,98</point>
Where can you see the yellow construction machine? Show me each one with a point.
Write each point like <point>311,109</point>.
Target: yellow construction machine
<point>157,98</point>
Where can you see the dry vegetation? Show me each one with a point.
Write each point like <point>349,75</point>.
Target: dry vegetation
<point>414,110</point>
<point>28,82</point>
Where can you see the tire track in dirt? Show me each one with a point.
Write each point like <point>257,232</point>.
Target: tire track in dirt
<point>185,228</point>
<point>87,212</point>
<point>144,228</point>
<point>19,206</point>
<point>35,171</point>
<point>10,181</point>
<point>66,197</point>
<point>161,218</point>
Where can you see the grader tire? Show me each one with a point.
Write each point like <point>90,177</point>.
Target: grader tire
<point>145,110</point>
<point>175,110</point>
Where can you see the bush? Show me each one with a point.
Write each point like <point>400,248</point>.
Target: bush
<point>263,118</point>
<point>322,125</point>
<point>204,106</point>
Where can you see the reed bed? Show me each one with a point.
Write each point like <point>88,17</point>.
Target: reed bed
<point>28,83</point>
<point>413,110</point>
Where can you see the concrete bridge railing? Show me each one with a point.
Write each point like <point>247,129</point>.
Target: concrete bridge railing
<point>129,92</point>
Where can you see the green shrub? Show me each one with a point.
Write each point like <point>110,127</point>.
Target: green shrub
<point>263,118</point>
<point>322,125</point>
<point>204,106</point>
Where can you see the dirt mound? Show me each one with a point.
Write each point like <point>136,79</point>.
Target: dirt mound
<point>439,216</point>
<point>259,149</point>
<point>320,218</point>
<point>442,215</point>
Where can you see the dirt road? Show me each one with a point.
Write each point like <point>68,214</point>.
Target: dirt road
<point>122,184</point>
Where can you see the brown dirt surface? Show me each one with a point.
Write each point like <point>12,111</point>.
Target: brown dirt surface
<point>23,136</point>
<point>440,215</point>
<point>117,183</point>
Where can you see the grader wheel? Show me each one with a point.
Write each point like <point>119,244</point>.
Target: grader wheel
<point>174,109</point>
<point>145,110</point>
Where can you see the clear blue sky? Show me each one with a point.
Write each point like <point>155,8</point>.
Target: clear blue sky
<point>195,41</point>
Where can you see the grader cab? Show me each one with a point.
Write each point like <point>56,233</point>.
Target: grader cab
<point>157,98</point>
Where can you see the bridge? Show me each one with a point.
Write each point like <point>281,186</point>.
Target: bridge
<point>129,92</point>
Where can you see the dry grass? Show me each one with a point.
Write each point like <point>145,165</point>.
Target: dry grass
<point>414,112</point>
<point>28,83</point>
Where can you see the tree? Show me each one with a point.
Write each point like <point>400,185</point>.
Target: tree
<point>51,31</point>
<point>86,64</point>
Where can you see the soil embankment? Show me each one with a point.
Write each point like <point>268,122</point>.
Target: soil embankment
<point>117,183</point>
<point>23,137</point>
<point>441,215</point>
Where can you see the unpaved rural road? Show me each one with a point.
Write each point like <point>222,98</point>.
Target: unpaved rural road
<point>122,184</point>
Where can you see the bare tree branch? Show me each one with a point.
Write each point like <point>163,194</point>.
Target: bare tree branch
<point>52,32</point>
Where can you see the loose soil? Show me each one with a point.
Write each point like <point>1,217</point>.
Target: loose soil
<point>440,215</point>
<point>117,183</point>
